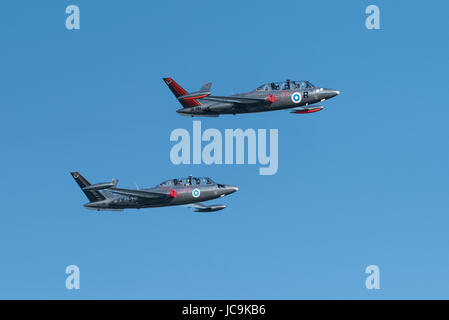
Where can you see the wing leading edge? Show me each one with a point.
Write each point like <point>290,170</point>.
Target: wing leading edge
<point>147,195</point>
<point>236,100</point>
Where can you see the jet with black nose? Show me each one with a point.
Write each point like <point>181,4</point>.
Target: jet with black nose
<point>188,191</point>
<point>300,96</point>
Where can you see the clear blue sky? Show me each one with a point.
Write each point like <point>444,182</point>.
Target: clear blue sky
<point>363,182</point>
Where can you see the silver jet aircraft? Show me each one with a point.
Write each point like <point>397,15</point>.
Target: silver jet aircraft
<point>188,191</point>
<point>299,95</point>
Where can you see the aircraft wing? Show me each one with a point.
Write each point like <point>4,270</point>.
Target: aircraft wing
<point>200,207</point>
<point>140,194</point>
<point>236,100</point>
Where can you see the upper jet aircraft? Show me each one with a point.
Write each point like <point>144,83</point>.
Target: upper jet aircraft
<point>299,95</point>
<point>189,191</point>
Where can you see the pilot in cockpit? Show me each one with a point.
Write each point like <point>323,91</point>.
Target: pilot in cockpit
<point>274,86</point>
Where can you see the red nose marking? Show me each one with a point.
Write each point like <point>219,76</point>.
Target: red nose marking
<point>270,98</point>
<point>172,193</point>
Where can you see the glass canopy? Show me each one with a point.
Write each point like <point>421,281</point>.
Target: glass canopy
<point>286,85</point>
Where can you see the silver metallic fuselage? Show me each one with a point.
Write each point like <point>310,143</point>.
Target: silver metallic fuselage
<point>281,99</point>
<point>182,194</point>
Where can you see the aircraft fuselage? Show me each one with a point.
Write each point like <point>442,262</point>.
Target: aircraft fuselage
<point>273,100</point>
<point>179,195</point>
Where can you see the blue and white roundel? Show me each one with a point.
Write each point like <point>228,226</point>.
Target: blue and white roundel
<point>296,97</point>
<point>196,193</point>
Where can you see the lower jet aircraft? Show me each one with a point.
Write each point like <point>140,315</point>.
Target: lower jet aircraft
<point>299,95</point>
<point>189,191</point>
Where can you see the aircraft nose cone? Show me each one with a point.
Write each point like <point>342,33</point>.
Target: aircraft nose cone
<point>330,93</point>
<point>231,189</point>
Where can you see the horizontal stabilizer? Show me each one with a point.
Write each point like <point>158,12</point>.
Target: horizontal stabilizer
<point>195,95</point>
<point>92,195</point>
<point>300,110</point>
<point>206,86</point>
<point>101,186</point>
<point>179,91</point>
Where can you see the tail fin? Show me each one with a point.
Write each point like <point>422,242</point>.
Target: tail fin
<point>206,87</point>
<point>179,91</point>
<point>92,195</point>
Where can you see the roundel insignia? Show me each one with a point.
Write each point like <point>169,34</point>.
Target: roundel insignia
<point>196,193</point>
<point>296,97</point>
<point>76,175</point>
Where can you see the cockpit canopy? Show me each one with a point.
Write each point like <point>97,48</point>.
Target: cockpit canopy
<point>194,181</point>
<point>286,85</point>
